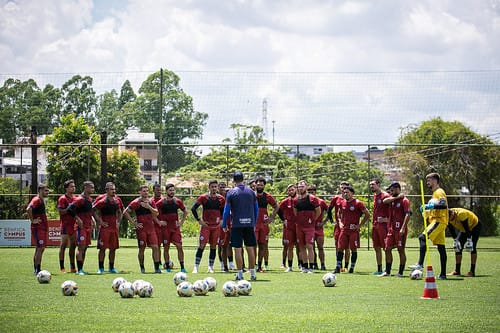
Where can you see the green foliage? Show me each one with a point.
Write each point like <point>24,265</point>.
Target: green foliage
<point>79,161</point>
<point>23,105</point>
<point>472,167</point>
<point>300,301</point>
<point>11,205</point>
<point>173,122</point>
<point>79,98</point>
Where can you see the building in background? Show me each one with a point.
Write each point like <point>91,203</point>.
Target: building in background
<point>146,147</point>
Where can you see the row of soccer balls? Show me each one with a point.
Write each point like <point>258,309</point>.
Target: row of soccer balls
<point>184,287</point>
<point>330,279</point>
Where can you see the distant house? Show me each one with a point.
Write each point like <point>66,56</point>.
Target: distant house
<point>310,151</point>
<point>19,166</point>
<point>146,147</point>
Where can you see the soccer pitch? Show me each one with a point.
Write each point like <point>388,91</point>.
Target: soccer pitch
<point>279,302</point>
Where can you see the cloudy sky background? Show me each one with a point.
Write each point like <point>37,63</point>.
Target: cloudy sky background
<point>331,71</point>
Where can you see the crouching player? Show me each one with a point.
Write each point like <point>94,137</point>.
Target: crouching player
<point>469,228</point>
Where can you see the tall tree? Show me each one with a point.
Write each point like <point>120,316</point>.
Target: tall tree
<point>23,105</point>
<point>127,94</point>
<point>79,98</point>
<point>79,160</point>
<point>110,117</point>
<point>175,121</point>
<point>469,171</point>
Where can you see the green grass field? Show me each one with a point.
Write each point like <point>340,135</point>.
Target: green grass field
<point>291,302</point>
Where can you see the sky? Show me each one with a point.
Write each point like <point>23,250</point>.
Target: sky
<point>342,72</point>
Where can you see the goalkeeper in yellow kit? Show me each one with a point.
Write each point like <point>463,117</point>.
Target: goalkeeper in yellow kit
<point>469,228</point>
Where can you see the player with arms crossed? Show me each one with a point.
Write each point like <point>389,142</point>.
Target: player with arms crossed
<point>380,221</point>
<point>286,214</point>
<point>39,225</point>
<point>351,211</point>
<point>68,223</point>
<point>81,209</point>
<point>306,210</point>
<point>168,215</point>
<point>108,214</point>
<point>264,200</point>
<point>437,221</point>
<point>145,214</point>
<point>333,215</point>
<point>397,230</point>
<point>210,222</point>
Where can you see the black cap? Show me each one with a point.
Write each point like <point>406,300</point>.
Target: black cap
<point>238,176</point>
<point>395,184</point>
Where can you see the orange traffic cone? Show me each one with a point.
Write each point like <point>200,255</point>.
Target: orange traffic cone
<point>430,289</point>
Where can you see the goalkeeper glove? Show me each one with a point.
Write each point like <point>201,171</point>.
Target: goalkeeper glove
<point>469,245</point>
<point>456,245</point>
<point>426,207</point>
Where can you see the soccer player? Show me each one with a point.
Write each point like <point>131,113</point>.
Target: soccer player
<point>145,213</point>
<point>469,229</point>
<point>307,211</point>
<point>319,233</point>
<point>210,222</point>
<point>286,214</point>
<point>437,221</point>
<point>264,200</point>
<point>157,196</point>
<point>108,214</point>
<point>242,204</point>
<point>334,207</point>
<point>39,224</point>
<point>68,222</point>
<point>380,221</point>
<point>351,211</point>
<point>224,247</point>
<point>81,209</point>
<point>168,215</point>
<point>397,228</point>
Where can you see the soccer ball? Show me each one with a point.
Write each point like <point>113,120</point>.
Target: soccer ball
<point>170,264</point>
<point>69,288</point>
<point>230,289</point>
<point>185,289</point>
<point>145,290</point>
<point>416,274</point>
<point>244,287</point>
<point>211,282</point>
<point>116,283</point>
<point>43,276</point>
<point>200,287</point>
<point>329,279</point>
<point>137,285</point>
<point>180,277</point>
<point>126,290</point>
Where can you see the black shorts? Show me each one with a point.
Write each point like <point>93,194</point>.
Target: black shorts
<point>475,232</point>
<point>240,235</point>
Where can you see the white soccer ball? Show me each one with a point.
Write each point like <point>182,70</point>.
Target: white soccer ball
<point>180,277</point>
<point>244,288</point>
<point>44,276</point>
<point>200,288</point>
<point>145,290</point>
<point>329,279</point>
<point>230,289</point>
<point>126,290</point>
<point>69,288</point>
<point>212,283</point>
<point>137,285</point>
<point>416,274</point>
<point>170,264</point>
<point>116,283</point>
<point>185,289</point>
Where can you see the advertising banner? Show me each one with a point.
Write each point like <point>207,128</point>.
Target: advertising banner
<point>15,233</point>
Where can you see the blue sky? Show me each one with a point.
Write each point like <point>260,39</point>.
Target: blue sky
<point>331,71</point>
